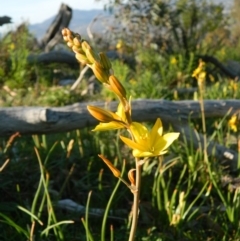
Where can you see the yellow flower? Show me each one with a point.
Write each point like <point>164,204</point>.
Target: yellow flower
<point>11,46</point>
<point>133,82</point>
<point>149,144</point>
<point>211,77</point>
<point>118,119</point>
<point>199,73</point>
<point>233,85</point>
<point>173,60</point>
<point>120,44</point>
<point>233,123</point>
<point>199,69</point>
<point>201,78</point>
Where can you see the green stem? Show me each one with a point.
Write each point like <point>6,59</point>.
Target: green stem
<point>109,205</point>
<point>136,195</point>
<point>201,88</point>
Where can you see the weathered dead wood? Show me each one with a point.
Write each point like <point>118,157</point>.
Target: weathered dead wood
<point>55,56</point>
<point>228,72</point>
<point>39,120</point>
<point>4,20</point>
<point>67,57</point>
<point>33,120</point>
<point>53,34</point>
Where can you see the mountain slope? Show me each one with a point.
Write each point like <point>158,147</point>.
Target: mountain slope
<point>79,22</point>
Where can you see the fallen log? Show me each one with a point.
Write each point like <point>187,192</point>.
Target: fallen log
<point>53,35</point>
<point>45,120</point>
<point>55,56</point>
<point>68,57</point>
<point>227,71</point>
<point>38,120</point>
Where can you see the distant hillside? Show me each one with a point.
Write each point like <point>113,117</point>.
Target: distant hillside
<point>79,22</point>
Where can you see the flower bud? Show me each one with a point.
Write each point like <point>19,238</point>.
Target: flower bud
<point>82,58</point>
<point>114,170</point>
<point>77,41</point>
<point>92,57</point>
<point>105,62</point>
<point>100,73</point>
<point>70,38</point>
<point>66,32</point>
<point>117,87</point>
<point>76,50</point>
<point>100,114</point>
<point>85,46</point>
<point>65,38</point>
<point>70,44</point>
<point>131,176</point>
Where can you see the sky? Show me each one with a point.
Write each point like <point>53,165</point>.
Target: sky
<point>36,11</point>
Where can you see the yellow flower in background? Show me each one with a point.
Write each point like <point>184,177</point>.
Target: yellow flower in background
<point>119,44</point>
<point>232,123</point>
<point>149,143</point>
<point>233,85</point>
<point>199,73</point>
<point>11,46</point>
<point>173,60</point>
<point>199,69</point>
<point>201,78</point>
<point>211,77</point>
<point>133,82</point>
<point>122,46</point>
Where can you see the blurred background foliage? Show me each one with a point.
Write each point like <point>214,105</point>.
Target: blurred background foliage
<point>158,44</point>
<point>158,41</point>
<point>171,26</point>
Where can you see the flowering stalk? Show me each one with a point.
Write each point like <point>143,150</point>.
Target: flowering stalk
<point>136,199</point>
<point>144,143</point>
<point>200,74</point>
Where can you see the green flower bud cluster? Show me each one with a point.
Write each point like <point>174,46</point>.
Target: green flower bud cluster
<point>84,53</point>
<point>100,65</point>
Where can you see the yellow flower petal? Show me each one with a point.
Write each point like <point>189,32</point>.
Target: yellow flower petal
<point>160,153</point>
<point>137,153</point>
<point>165,141</point>
<point>139,131</point>
<point>120,112</point>
<point>113,125</point>
<point>155,132</point>
<point>233,123</point>
<point>132,144</point>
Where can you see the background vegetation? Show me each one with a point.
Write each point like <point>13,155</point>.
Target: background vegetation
<point>181,199</point>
